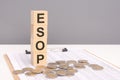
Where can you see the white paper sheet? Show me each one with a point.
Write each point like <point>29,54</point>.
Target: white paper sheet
<point>21,60</point>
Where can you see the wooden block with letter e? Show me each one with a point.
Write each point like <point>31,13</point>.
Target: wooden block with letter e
<point>39,22</point>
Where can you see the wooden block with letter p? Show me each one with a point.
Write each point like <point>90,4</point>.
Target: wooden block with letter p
<point>39,22</point>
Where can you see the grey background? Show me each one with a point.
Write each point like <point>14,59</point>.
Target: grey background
<point>70,21</point>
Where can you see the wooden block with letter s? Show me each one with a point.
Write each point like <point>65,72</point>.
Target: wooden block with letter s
<point>39,23</point>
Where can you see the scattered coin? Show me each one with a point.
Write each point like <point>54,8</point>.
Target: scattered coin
<point>60,62</point>
<point>79,65</point>
<point>29,73</point>
<point>70,72</point>
<point>73,70</point>
<point>61,72</point>
<point>51,75</point>
<point>37,71</point>
<point>71,62</point>
<point>59,68</point>
<point>51,66</point>
<point>96,67</point>
<point>27,69</point>
<point>18,72</point>
<point>47,70</point>
<point>69,68</point>
<point>83,61</point>
<point>65,66</point>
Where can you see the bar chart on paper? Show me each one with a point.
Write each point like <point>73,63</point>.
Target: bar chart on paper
<point>109,72</point>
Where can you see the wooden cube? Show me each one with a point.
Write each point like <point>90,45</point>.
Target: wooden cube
<point>39,22</point>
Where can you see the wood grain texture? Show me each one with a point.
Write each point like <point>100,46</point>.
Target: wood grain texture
<point>39,22</point>
<point>11,67</point>
<point>34,17</point>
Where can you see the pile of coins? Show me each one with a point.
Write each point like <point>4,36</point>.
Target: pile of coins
<point>59,68</point>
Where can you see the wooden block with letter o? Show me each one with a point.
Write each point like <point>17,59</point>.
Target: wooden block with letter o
<point>39,22</point>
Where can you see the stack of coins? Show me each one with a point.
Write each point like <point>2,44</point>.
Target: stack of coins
<point>59,68</point>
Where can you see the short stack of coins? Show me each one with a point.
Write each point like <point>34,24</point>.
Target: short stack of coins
<point>59,68</point>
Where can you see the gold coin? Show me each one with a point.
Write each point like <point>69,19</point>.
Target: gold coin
<point>61,72</point>
<point>51,75</point>
<point>79,65</point>
<point>29,73</point>
<point>27,69</point>
<point>18,72</point>
<point>96,67</point>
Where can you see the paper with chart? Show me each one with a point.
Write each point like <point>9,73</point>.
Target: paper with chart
<point>22,60</point>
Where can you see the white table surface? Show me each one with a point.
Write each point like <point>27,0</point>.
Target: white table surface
<point>110,53</point>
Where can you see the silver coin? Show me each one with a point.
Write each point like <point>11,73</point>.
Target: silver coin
<point>96,67</point>
<point>71,62</point>
<point>61,72</point>
<point>79,65</point>
<point>51,75</point>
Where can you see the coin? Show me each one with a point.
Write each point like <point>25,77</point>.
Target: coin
<point>79,65</point>
<point>47,70</point>
<point>65,66</point>
<point>69,68</point>
<point>27,69</point>
<point>37,71</point>
<point>29,73</point>
<point>51,66</point>
<point>96,67</point>
<point>84,62</point>
<point>74,70</point>
<point>61,72</point>
<point>51,75</point>
<point>60,62</point>
<point>70,72</point>
<point>18,71</point>
<point>71,62</point>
